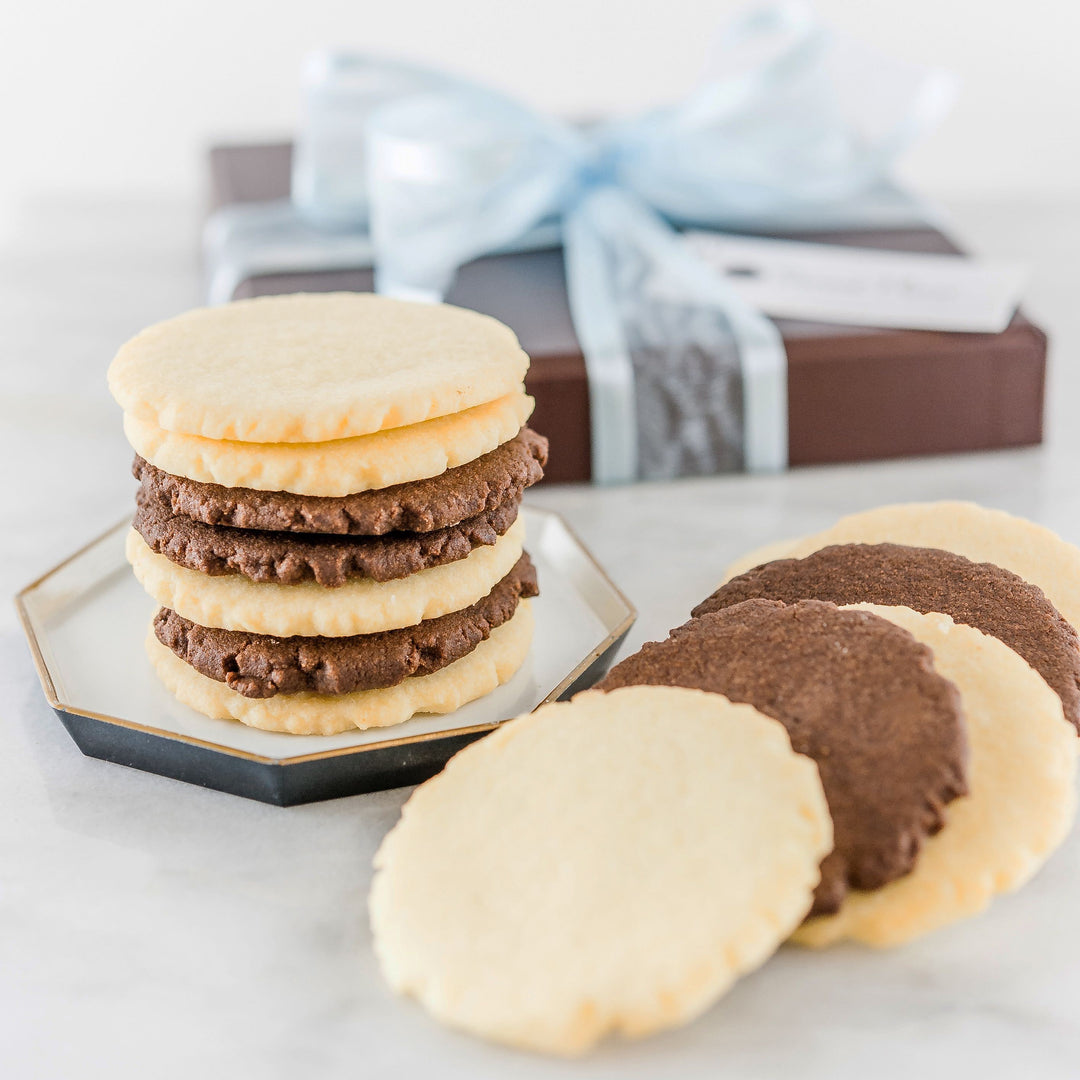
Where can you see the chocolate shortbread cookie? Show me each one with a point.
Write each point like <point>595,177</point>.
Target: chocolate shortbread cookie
<point>982,595</point>
<point>285,558</point>
<point>857,694</point>
<point>456,495</point>
<point>259,666</point>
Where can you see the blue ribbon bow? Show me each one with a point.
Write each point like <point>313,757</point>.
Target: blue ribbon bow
<point>797,127</point>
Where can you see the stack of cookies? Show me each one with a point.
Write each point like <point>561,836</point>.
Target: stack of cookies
<point>328,507</point>
<point>923,657</point>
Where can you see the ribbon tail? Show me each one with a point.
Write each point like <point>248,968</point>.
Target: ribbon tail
<point>765,407</point>
<point>609,366</point>
<point>637,290</point>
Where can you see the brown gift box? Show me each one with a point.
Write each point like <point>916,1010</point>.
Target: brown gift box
<point>854,393</point>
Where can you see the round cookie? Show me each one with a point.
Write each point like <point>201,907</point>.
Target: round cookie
<point>307,609</point>
<point>258,666</point>
<point>979,534</point>
<point>313,367</point>
<point>608,864</point>
<point>341,466</point>
<point>460,493</point>
<point>284,559</point>
<point>993,600</point>
<point>858,695</point>
<point>488,666</point>
<point>1020,807</point>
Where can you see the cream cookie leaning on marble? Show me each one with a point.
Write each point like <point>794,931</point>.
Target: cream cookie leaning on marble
<point>1020,806</point>
<point>288,411</point>
<point>610,864</point>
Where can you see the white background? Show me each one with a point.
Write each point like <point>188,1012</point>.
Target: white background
<point>122,96</point>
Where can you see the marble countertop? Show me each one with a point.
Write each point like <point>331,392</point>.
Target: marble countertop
<point>150,928</point>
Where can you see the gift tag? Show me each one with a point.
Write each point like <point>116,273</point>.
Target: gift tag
<point>858,287</point>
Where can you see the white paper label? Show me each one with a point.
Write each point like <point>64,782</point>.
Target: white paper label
<point>857,287</point>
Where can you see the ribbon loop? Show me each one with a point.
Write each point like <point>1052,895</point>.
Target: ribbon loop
<point>455,176</point>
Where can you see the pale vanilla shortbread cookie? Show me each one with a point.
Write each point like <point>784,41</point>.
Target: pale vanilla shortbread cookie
<point>982,535</point>
<point>609,864</point>
<point>340,467</point>
<point>1020,807</point>
<point>313,367</point>
<point>492,663</point>
<point>308,609</point>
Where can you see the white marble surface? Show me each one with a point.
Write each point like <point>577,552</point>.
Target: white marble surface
<point>149,928</point>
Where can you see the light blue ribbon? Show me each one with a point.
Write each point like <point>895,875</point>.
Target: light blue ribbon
<point>418,173</point>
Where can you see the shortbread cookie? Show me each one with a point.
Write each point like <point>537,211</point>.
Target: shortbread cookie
<point>982,535</point>
<point>309,368</point>
<point>466,491</point>
<point>488,666</point>
<point>1020,807</point>
<point>609,864</point>
<point>307,609</point>
<point>858,695</point>
<point>259,666</point>
<point>982,595</point>
<point>342,466</point>
<point>283,559</point>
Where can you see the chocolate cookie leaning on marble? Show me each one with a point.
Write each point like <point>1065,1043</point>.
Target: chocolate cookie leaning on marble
<point>982,595</point>
<point>857,694</point>
<point>456,495</point>
<point>285,558</point>
<point>260,666</point>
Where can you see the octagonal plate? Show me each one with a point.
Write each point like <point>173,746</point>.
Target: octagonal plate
<point>86,621</point>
